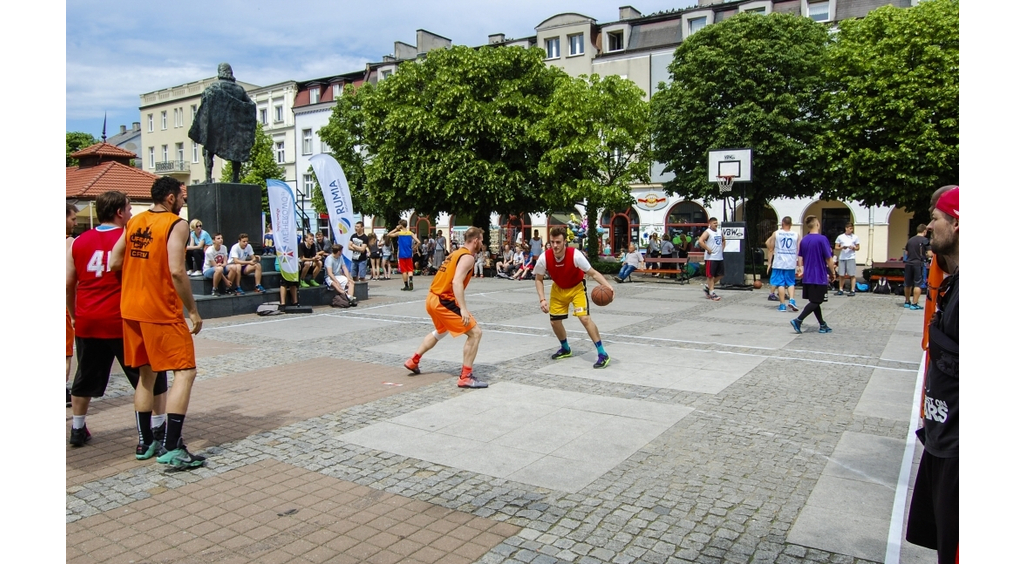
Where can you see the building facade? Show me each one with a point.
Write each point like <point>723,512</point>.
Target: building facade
<point>274,112</point>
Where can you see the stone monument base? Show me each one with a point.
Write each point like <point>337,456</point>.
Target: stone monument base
<point>230,209</point>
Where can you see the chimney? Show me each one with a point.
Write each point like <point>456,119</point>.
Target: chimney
<point>123,128</point>
<point>136,126</point>
<point>629,13</point>
<point>496,38</point>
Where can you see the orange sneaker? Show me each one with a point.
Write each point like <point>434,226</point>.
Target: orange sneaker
<point>471,382</point>
<point>412,366</point>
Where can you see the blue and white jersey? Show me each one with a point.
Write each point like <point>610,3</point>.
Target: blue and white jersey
<point>785,250</point>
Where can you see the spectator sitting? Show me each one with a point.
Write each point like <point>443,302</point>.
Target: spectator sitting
<point>268,242</point>
<point>215,264</point>
<point>244,261</point>
<point>478,266</point>
<point>525,271</point>
<point>504,261</point>
<point>309,261</point>
<point>338,275</point>
<point>195,251</point>
<point>633,260</point>
<point>323,245</point>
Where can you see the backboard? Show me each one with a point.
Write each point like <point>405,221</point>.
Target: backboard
<point>731,162</point>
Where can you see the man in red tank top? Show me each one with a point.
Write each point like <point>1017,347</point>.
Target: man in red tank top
<point>568,269</point>
<point>94,301</point>
<point>446,304</point>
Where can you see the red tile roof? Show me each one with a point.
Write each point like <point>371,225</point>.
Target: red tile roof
<point>87,183</point>
<point>103,150</point>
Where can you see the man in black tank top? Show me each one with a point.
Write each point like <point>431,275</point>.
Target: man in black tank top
<point>934,520</point>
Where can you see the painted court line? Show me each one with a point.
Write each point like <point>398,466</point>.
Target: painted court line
<point>892,550</point>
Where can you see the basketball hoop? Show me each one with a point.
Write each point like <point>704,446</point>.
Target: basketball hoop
<point>725,183</point>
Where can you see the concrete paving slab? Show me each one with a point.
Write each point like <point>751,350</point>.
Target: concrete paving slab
<point>304,327</point>
<point>905,347</point>
<point>888,395</point>
<point>418,309</point>
<point>515,293</point>
<point>852,497</point>
<point>494,348</point>
<point>759,311</point>
<point>635,305</point>
<point>869,458</point>
<point>657,292</point>
<point>513,434</point>
<point>704,331</point>
<point>704,372</point>
<point>912,321</point>
<point>852,535</point>
<point>606,322</point>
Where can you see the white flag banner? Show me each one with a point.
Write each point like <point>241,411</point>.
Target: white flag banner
<point>338,198</point>
<point>282,220</point>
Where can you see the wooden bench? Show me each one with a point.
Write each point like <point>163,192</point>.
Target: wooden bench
<point>664,260</point>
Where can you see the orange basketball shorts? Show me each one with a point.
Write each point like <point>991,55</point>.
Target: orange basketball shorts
<point>447,316</point>
<point>163,346</point>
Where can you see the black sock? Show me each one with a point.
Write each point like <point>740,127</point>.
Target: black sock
<point>173,434</point>
<point>142,424</point>
<point>808,309</point>
<point>817,314</point>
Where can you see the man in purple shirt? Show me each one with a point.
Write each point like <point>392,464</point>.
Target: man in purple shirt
<point>814,263</point>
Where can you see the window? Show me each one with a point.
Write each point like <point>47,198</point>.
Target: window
<point>551,46</point>
<point>818,11</point>
<point>761,11</point>
<point>175,117</point>
<point>576,44</point>
<point>278,114</point>
<point>279,151</point>
<point>195,152</point>
<point>163,151</point>
<point>195,110</point>
<point>263,116</point>
<point>338,89</point>
<point>149,118</point>
<point>324,148</point>
<point>152,159</point>
<point>697,23</point>
<point>314,95</point>
<point>163,119</point>
<point>179,149</point>
<point>615,41</point>
<point>385,74</point>
<point>307,184</point>
<point>307,141</point>
<point>179,117</point>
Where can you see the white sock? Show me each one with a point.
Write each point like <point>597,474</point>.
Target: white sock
<point>77,421</point>
<point>157,420</point>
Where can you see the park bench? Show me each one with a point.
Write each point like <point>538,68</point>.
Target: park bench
<point>693,256</point>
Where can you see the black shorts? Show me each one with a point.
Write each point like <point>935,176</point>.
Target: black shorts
<point>95,357</point>
<point>714,268</point>
<point>815,293</point>
<point>913,275</point>
<point>289,283</point>
<point>934,520</point>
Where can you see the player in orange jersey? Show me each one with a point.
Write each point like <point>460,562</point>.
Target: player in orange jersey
<point>446,304</point>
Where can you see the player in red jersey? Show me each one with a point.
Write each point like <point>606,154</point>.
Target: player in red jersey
<point>69,338</point>
<point>94,301</point>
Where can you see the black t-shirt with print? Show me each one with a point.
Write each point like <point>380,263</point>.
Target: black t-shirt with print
<point>358,239</point>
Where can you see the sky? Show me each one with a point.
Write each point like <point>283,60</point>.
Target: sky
<point>119,50</point>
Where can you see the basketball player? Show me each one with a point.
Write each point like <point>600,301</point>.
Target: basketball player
<point>407,241</point>
<point>782,248</point>
<point>156,337</point>
<point>568,268</point>
<point>446,304</point>
<point>714,261</point>
<point>94,299</point>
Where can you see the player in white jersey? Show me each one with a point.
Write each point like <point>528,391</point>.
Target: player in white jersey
<point>714,261</point>
<point>782,248</point>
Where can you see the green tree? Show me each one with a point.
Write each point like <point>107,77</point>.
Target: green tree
<point>260,165</point>
<point>597,131</point>
<point>77,140</point>
<point>893,106</point>
<point>344,135</point>
<point>453,132</point>
<point>750,81</point>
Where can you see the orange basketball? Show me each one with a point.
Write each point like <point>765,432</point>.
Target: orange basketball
<point>601,295</point>
<point>757,284</point>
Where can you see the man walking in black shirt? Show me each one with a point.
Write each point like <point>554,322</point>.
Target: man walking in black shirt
<point>913,269</point>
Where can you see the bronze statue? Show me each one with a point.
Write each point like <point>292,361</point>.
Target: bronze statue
<point>225,124</point>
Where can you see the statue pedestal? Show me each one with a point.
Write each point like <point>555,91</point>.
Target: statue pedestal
<point>229,209</point>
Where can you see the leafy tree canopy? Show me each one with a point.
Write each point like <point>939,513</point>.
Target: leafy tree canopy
<point>597,131</point>
<point>260,166</point>
<point>750,81</point>
<point>77,140</point>
<point>893,106</point>
<point>344,135</point>
<point>452,132</point>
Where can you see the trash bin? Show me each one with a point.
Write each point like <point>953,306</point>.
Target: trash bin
<point>758,257</point>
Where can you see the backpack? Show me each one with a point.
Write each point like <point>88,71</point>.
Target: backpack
<point>882,287</point>
<point>340,300</point>
<point>269,308</point>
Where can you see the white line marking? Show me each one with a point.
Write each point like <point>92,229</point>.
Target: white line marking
<point>899,504</point>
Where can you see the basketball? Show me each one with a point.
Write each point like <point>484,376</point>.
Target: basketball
<point>757,284</point>
<point>602,295</point>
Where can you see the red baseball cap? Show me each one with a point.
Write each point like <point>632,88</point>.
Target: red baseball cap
<point>949,203</point>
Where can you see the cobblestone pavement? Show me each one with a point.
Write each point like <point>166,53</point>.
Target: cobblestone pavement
<point>726,483</point>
